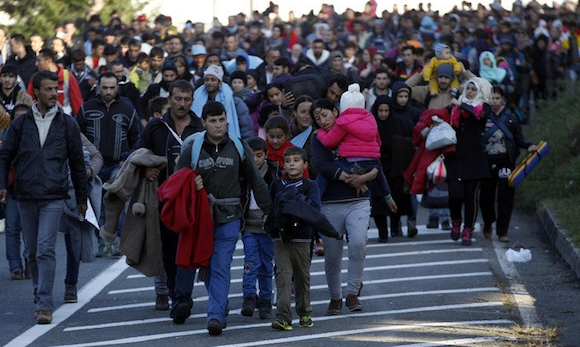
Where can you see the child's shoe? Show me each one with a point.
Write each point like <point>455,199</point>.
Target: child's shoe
<point>281,324</point>
<point>306,322</point>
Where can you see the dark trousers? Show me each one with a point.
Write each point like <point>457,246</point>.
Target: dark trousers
<point>464,193</point>
<point>169,241</point>
<point>500,172</point>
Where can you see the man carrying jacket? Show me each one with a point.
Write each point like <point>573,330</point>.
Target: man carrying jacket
<point>163,136</point>
<point>47,142</point>
<point>110,123</point>
<point>220,165</point>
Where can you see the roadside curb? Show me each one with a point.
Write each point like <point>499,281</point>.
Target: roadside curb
<point>558,237</point>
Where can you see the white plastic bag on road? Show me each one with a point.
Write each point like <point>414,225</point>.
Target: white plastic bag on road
<point>523,256</point>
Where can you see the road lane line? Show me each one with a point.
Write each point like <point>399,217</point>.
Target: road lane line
<point>322,273</point>
<point>85,295</point>
<point>154,337</point>
<point>324,286</point>
<point>524,301</point>
<point>460,342</point>
<point>312,303</point>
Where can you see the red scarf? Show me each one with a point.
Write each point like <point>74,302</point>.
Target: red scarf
<point>277,155</point>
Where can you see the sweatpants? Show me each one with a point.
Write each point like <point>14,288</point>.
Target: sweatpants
<point>350,219</point>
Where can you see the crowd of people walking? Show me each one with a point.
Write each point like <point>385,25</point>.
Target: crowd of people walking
<point>168,146</point>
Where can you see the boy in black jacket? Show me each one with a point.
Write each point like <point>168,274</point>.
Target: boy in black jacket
<point>258,246</point>
<point>296,210</point>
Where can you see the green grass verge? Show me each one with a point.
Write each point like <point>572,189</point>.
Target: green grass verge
<point>556,180</point>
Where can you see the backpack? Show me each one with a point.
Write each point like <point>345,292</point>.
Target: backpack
<point>198,139</point>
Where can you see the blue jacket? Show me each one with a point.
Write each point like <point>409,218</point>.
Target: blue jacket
<point>42,173</point>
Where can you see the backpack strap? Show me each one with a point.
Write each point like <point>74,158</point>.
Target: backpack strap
<point>498,124</point>
<point>197,145</point>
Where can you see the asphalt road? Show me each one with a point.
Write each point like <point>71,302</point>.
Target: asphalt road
<point>417,292</point>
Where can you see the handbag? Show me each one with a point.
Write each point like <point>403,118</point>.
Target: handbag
<point>436,171</point>
<point>441,135</point>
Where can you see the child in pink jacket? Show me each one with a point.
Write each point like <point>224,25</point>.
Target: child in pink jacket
<point>357,136</point>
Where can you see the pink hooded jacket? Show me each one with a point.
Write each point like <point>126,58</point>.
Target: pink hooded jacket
<point>355,133</point>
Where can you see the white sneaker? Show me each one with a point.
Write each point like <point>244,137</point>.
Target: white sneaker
<point>2,225</point>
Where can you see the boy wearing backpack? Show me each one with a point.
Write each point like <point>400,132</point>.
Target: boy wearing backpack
<point>221,161</point>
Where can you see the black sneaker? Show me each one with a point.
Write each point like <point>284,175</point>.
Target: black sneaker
<point>181,312</point>
<point>334,307</point>
<point>433,223</point>
<point>103,251</point>
<point>249,305</point>
<point>265,307</point>
<point>353,303</point>
<point>214,327</point>
<point>412,229</point>
<point>70,294</point>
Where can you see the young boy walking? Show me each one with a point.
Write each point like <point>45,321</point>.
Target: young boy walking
<point>296,209</point>
<point>258,246</point>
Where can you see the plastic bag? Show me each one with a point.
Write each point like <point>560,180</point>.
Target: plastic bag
<point>523,256</point>
<point>436,171</point>
<point>441,135</point>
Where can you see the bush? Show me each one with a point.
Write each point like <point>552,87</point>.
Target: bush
<point>556,180</point>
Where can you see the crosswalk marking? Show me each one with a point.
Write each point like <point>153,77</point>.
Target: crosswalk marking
<point>313,303</point>
<point>153,337</point>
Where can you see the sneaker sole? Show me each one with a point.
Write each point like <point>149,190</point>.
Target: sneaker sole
<point>247,312</point>
<point>214,330</point>
<point>70,301</point>
<point>306,326</point>
<point>355,309</point>
<point>278,326</point>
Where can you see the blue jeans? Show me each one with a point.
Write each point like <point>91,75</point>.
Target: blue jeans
<point>13,238</point>
<point>258,264</point>
<point>40,221</point>
<point>218,282</point>
<point>72,265</point>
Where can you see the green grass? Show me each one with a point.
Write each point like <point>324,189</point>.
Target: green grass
<point>556,180</point>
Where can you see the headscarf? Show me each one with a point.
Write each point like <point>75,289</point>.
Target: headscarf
<point>491,73</point>
<point>482,96</point>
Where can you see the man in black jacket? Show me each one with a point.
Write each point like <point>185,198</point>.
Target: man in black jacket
<point>110,123</point>
<point>163,136</point>
<point>47,142</point>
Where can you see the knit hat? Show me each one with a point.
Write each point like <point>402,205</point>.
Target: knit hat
<point>445,70</point>
<point>169,66</point>
<point>216,71</point>
<point>239,75</point>
<point>439,48</point>
<point>352,98</point>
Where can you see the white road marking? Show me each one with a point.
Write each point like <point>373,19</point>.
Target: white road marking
<point>139,339</point>
<point>460,342</point>
<point>457,342</point>
<point>85,295</point>
<point>313,303</point>
<point>371,245</point>
<point>322,273</point>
